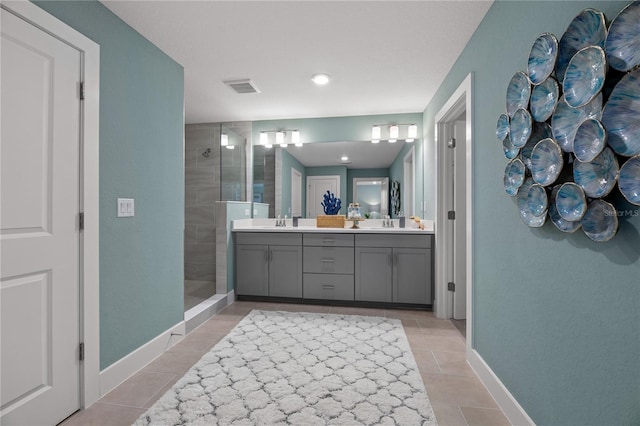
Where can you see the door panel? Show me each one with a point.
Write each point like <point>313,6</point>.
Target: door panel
<point>285,271</point>
<point>39,234</point>
<point>412,275</point>
<point>252,270</point>
<point>374,274</point>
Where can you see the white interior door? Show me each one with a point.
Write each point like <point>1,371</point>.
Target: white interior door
<point>39,235</point>
<point>296,193</point>
<point>317,186</point>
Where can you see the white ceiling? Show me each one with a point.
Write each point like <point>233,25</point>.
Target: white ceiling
<point>384,56</point>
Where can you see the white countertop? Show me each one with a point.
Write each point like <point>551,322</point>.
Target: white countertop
<point>372,227</point>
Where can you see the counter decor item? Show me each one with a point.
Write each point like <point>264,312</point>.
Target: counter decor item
<point>354,215</point>
<point>571,126</point>
<point>331,206</point>
<point>395,197</point>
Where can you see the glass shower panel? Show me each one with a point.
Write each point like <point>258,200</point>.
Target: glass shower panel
<point>233,173</point>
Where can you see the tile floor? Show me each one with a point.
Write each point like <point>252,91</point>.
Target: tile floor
<point>457,395</point>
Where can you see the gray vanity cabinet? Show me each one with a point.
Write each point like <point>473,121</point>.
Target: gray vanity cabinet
<point>269,264</point>
<point>393,268</point>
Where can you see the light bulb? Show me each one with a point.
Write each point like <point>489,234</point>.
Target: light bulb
<point>375,140</point>
<point>295,138</point>
<point>230,146</point>
<point>320,79</point>
<point>413,131</point>
<point>264,138</point>
<point>224,139</point>
<point>394,131</point>
<point>375,133</point>
<point>280,139</point>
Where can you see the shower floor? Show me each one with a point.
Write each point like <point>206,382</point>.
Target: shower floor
<point>196,292</point>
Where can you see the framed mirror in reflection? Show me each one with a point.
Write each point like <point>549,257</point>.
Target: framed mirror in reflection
<point>372,194</point>
<point>279,172</point>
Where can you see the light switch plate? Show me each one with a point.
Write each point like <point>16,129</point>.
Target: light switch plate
<point>125,207</point>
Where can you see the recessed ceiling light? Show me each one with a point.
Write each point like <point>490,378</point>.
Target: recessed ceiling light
<point>344,158</point>
<point>320,79</point>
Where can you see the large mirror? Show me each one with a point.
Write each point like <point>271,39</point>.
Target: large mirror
<point>292,180</point>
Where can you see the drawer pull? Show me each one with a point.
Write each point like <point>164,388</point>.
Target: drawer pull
<point>328,260</point>
<point>328,286</point>
<point>327,241</point>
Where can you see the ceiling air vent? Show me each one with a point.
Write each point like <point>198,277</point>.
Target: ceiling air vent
<point>242,86</point>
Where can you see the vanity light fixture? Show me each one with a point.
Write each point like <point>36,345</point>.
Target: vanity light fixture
<point>320,79</point>
<point>375,134</point>
<point>280,137</point>
<point>224,140</point>
<point>394,132</point>
<point>412,133</point>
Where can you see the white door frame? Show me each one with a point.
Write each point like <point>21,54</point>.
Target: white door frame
<point>409,176</point>
<point>296,176</point>
<point>89,189</point>
<point>462,99</point>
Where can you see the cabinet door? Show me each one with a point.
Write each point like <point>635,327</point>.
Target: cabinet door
<point>252,270</point>
<point>285,271</point>
<point>412,275</point>
<point>373,277</point>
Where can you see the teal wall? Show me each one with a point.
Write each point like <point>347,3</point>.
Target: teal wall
<point>290,162</point>
<point>332,171</point>
<point>555,316</point>
<point>141,157</point>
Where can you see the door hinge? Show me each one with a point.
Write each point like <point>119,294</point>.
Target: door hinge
<point>82,91</point>
<point>451,286</point>
<point>451,215</point>
<point>81,352</point>
<point>81,219</point>
<point>451,143</point>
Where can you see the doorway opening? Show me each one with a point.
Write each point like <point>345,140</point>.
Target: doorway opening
<point>454,154</point>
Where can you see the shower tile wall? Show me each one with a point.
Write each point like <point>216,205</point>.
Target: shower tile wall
<point>202,190</point>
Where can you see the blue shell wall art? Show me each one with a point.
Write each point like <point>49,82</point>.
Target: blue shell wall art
<point>571,127</point>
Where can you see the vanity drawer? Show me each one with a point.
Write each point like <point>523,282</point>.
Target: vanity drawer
<point>328,260</point>
<point>328,286</point>
<point>269,238</point>
<point>328,240</point>
<point>394,240</point>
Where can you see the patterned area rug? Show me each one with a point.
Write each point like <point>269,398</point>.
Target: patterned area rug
<point>286,368</point>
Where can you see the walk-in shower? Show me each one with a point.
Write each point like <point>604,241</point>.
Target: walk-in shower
<point>215,170</point>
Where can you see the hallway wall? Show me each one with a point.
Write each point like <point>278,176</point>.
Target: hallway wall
<point>555,315</point>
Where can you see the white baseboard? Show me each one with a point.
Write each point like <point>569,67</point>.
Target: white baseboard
<point>124,368</point>
<point>510,407</point>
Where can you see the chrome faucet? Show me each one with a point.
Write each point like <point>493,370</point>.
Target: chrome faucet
<point>281,222</point>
